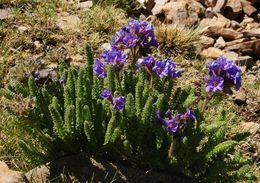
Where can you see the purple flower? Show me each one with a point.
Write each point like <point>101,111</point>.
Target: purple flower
<point>62,81</point>
<point>189,115</point>
<point>226,69</point>
<point>168,114</point>
<point>119,103</point>
<point>146,62</point>
<point>119,36</point>
<point>178,117</point>
<point>130,40</point>
<point>99,69</point>
<point>215,83</point>
<point>217,66</point>
<point>160,68</point>
<point>233,74</point>
<point>171,125</point>
<point>106,94</point>
<point>166,68</point>
<point>114,56</point>
<point>136,33</point>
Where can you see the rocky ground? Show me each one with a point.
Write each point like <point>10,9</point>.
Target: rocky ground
<point>37,36</point>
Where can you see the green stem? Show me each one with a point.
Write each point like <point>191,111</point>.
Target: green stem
<point>119,83</point>
<point>172,147</point>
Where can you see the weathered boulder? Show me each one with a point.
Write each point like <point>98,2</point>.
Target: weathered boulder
<point>237,41</point>
<point>10,176</point>
<point>206,41</point>
<point>196,7</point>
<point>220,4</point>
<point>208,25</point>
<point>40,174</point>
<point>252,33</point>
<point>176,11</point>
<point>248,47</point>
<point>233,9</point>
<point>229,34</point>
<point>249,10</point>
<point>158,7</point>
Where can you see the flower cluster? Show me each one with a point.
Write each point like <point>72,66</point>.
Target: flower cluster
<point>136,33</point>
<point>172,123</point>
<point>115,56</point>
<point>118,103</point>
<point>222,71</point>
<point>162,68</point>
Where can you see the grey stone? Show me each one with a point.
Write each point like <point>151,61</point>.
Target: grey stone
<point>220,43</point>
<point>206,41</point>
<point>212,52</point>
<point>86,4</point>
<point>231,55</point>
<point>5,13</point>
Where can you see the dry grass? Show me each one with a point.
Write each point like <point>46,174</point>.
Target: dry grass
<point>103,19</point>
<point>177,40</point>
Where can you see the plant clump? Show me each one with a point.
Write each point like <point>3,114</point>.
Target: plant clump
<point>121,104</point>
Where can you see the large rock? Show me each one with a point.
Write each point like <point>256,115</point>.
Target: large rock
<point>249,9</point>
<point>196,7</point>
<point>252,33</point>
<point>40,174</point>
<point>248,47</point>
<point>176,11</point>
<point>220,4</point>
<point>229,34</point>
<point>206,41</point>
<point>209,25</point>
<point>237,41</point>
<point>158,7</point>
<point>233,9</point>
<point>212,52</point>
<point>10,176</point>
<point>218,29</point>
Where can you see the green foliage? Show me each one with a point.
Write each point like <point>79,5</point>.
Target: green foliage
<point>72,118</point>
